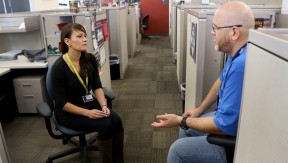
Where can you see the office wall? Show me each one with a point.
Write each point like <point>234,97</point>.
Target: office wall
<point>38,5</point>
<point>159,16</point>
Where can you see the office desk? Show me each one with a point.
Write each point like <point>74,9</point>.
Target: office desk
<point>4,71</point>
<point>22,63</point>
<point>10,70</point>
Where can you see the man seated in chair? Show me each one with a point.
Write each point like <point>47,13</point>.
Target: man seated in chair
<point>231,24</point>
<point>74,75</point>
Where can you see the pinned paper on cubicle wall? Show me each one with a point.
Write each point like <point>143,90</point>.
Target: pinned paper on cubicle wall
<point>193,39</point>
<point>105,30</point>
<point>284,9</point>
<point>99,32</point>
<point>94,42</point>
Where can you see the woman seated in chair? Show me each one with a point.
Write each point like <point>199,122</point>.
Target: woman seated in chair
<point>74,76</point>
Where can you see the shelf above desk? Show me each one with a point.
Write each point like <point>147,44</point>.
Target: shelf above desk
<point>22,63</point>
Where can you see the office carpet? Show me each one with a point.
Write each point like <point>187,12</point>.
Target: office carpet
<point>148,88</point>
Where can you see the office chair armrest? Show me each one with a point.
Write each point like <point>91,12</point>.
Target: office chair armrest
<point>109,94</point>
<point>44,110</point>
<point>222,140</point>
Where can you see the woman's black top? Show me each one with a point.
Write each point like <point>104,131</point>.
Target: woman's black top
<point>66,87</point>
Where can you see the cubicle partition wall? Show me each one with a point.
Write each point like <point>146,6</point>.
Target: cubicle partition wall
<point>173,31</point>
<point>203,62</point>
<point>4,155</point>
<point>138,24</point>
<point>181,37</point>
<point>262,130</point>
<point>131,30</point>
<point>98,43</point>
<point>117,22</point>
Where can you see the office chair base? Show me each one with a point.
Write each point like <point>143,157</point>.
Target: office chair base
<point>81,146</point>
<point>82,150</point>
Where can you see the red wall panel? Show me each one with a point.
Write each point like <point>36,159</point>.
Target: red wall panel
<point>159,16</point>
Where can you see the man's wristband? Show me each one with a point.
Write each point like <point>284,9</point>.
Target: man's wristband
<point>183,123</point>
<point>103,106</point>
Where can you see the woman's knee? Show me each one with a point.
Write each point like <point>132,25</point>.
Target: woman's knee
<point>116,121</point>
<point>106,131</point>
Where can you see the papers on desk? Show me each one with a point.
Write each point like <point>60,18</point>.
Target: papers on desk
<point>10,55</point>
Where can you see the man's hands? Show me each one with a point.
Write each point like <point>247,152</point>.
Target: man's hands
<point>96,114</point>
<point>172,120</point>
<point>193,113</point>
<point>167,121</point>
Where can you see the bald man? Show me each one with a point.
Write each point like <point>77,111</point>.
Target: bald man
<point>230,29</point>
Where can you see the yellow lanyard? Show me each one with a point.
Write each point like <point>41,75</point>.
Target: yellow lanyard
<point>77,74</point>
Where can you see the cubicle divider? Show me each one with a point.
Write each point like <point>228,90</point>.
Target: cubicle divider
<point>117,23</point>
<point>131,30</point>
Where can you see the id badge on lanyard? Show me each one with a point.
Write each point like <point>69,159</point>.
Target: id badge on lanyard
<point>87,98</point>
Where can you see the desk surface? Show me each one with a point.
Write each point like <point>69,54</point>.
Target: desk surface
<point>22,63</point>
<point>4,71</point>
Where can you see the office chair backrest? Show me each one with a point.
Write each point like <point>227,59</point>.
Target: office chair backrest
<point>48,82</point>
<point>145,24</point>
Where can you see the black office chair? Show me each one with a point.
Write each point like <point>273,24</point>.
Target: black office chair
<point>145,26</point>
<point>67,134</point>
<point>226,141</point>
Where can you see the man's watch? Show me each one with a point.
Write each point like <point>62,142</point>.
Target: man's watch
<point>183,123</point>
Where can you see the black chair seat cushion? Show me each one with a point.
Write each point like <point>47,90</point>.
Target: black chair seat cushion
<point>66,130</point>
<point>222,140</point>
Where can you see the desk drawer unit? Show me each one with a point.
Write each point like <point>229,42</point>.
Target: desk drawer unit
<point>29,91</point>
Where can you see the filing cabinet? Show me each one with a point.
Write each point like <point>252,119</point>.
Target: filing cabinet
<point>29,91</point>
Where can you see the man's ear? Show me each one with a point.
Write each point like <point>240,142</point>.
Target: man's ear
<point>236,33</point>
<point>67,41</point>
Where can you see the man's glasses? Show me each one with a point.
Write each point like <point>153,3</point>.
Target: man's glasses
<point>214,27</point>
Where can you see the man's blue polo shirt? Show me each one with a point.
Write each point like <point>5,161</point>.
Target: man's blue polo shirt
<point>230,93</point>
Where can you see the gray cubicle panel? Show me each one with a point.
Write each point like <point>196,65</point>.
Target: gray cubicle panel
<point>4,155</point>
<point>131,30</point>
<point>138,24</point>
<point>181,36</point>
<point>173,31</point>
<point>204,64</point>
<point>262,130</point>
<point>118,35</point>
<point>51,35</point>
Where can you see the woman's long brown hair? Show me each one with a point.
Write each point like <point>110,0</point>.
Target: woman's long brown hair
<point>66,32</point>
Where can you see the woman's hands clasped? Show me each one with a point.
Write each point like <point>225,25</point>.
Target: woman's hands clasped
<point>96,114</point>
